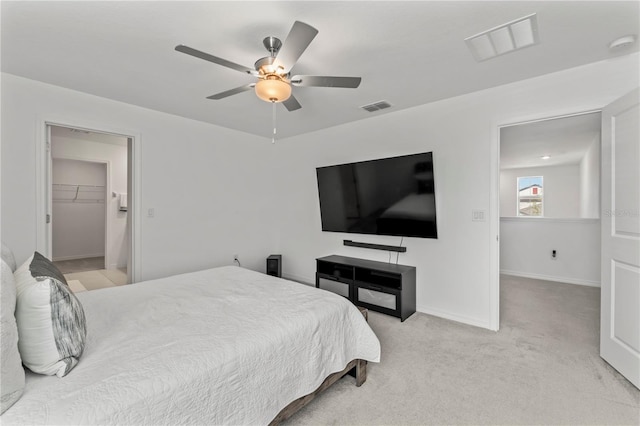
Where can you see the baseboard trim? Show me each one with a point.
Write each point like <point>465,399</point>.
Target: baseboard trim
<point>455,317</point>
<point>81,256</point>
<point>563,280</point>
<point>116,266</point>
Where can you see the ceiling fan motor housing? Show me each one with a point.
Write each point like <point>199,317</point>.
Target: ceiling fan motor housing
<point>265,66</point>
<point>272,44</point>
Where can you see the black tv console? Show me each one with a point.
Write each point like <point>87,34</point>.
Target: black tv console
<point>378,286</point>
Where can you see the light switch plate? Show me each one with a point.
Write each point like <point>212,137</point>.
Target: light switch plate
<point>478,215</point>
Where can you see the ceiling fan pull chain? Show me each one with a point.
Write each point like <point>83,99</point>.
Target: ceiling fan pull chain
<point>273,138</point>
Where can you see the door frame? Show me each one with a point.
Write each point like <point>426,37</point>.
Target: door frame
<point>494,225</point>
<point>43,185</point>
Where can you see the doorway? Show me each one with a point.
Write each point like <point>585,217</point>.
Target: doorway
<point>89,226</point>
<point>550,199</point>
<point>614,335</point>
<point>549,225</point>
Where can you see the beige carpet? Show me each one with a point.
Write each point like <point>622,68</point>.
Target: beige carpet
<point>93,280</point>
<point>542,368</point>
<point>80,265</point>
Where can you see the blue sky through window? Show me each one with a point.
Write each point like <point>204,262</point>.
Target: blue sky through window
<point>525,182</point>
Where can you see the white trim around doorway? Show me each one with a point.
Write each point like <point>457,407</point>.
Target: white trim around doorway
<point>494,269</point>
<point>43,201</point>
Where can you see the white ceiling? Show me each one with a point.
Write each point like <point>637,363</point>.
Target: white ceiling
<point>566,140</point>
<point>407,53</point>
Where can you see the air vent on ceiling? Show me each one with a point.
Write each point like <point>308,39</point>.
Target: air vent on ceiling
<point>376,106</point>
<point>505,38</point>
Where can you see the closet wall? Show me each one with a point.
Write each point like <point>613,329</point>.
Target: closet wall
<point>110,152</point>
<point>78,209</point>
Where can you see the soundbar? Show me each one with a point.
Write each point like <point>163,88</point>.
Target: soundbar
<point>375,246</point>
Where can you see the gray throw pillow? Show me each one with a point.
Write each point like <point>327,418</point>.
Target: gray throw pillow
<point>51,321</point>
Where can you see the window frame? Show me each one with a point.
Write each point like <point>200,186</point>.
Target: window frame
<point>541,195</point>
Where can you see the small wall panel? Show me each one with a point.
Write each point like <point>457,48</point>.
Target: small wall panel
<point>626,174</point>
<point>626,298</point>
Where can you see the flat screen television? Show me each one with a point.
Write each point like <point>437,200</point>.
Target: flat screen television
<point>388,196</point>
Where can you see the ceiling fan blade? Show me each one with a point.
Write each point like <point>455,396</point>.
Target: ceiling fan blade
<point>231,92</point>
<point>295,44</point>
<point>292,104</point>
<point>207,57</point>
<point>324,81</point>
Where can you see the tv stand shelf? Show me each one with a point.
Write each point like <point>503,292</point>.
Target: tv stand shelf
<point>378,286</point>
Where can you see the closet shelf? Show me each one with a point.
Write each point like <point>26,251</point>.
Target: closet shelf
<point>77,193</point>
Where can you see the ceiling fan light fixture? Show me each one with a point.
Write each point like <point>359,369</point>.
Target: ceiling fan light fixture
<point>272,72</point>
<point>273,89</point>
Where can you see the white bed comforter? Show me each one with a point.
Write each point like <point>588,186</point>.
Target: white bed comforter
<point>220,346</point>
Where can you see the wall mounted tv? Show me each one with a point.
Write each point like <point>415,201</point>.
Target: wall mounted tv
<point>389,196</point>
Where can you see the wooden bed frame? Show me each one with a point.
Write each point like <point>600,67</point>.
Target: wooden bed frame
<point>357,368</point>
<point>358,365</point>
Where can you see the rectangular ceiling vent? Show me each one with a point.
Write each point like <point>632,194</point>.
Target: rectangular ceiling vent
<point>376,106</point>
<point>505,38</point>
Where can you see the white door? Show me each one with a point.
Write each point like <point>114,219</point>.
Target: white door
<point>620,219</point>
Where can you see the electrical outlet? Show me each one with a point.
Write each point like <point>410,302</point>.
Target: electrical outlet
<point>235,257</point>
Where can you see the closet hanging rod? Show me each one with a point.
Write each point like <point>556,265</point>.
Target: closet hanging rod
<point>66,192</point>
<point>61,200</point>
<point>78,184</point>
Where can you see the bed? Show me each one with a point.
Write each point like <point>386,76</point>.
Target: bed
<point>221,346</point>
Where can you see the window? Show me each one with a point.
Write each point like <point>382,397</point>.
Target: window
<point>530,202</point>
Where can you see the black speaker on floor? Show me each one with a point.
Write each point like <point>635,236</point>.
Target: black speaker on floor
<point>274,265</point>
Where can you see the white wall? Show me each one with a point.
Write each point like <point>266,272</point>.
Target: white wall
<point>115,155</point>
<point>560,188</point>
<point>526,245</point>
<point>571,194</point>
<point>454,272</point>
<point>78,226</point>
<point>211,188</point>
<point>590,181</point>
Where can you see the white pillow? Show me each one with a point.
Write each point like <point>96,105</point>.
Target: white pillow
<point>51,322</point>
<point>12,372</point>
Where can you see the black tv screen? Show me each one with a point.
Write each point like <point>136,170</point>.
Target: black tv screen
<point>389,196</point>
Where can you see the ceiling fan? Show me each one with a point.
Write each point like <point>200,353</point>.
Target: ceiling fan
<point>273,72</point>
